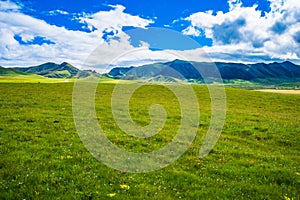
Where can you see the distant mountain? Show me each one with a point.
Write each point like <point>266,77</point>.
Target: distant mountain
<point>87,73</point>
<point>119,71</point>
<point>10,72</point>
<point>173,71</point>
<point>259,71</point>
<point>52,70</point>
<point>185,70</point>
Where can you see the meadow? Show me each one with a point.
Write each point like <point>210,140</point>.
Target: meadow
<point>42,156</point>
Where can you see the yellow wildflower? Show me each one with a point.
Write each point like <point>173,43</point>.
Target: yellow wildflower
<point>111,194</point>
<point>66,157</point>
<point>288,198</point>
<point>125,187</point>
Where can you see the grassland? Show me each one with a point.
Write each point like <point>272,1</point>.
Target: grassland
<point>32,78</point>
<point>42,156</point>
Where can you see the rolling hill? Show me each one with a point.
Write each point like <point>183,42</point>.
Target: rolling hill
<point>52,70</point>
<point>10,72</point>
<point>13,75</point>
<point>47,72</point>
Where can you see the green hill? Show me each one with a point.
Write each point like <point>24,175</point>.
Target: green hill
<point>52,70</point>
<point>16,76</point>
<point>46,73</point>
<point>10,72</point>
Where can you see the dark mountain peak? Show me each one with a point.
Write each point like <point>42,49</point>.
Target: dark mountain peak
<point>69,67</point>
<point>44,66</point>
<point>288,63</point>
<point>52,65</point>
<point>179,61</point>
<point>65,64</point>
<point>47,64</point>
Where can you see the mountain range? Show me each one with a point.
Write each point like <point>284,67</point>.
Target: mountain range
<point>190,71</point>
<point>173,71</point>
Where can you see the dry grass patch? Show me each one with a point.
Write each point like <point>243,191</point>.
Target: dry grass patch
<point>281,91</point>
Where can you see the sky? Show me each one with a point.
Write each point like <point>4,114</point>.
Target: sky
<point>130,32</point>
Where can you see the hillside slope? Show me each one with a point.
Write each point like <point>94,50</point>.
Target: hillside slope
<point>10,72</point>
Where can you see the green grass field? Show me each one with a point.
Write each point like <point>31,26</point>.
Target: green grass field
<point>31,79</point>
<point>42,156</point>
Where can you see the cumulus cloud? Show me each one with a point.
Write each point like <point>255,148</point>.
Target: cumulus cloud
<point>297,37</point>
<point>191,30</point>
<point>64,45</point>
<point>25,40</point>
<point>279,27</point>
<point>8,6</point>
<point>228,32</point>
<point>114,20</point>
<point>244,31</point>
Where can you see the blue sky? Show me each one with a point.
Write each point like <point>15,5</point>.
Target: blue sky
<point>37,31</point>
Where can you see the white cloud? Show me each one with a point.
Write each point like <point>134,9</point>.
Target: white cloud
<point>69,45</point>
<point>66,45</point>
<point>191,30</point>
<point>244,32</point>
<point>6,5</point>
<point>55,12</point>
<point>114,20</point>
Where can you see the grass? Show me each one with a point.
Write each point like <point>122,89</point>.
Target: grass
<point>42,156</point>
<point>32,78</point>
